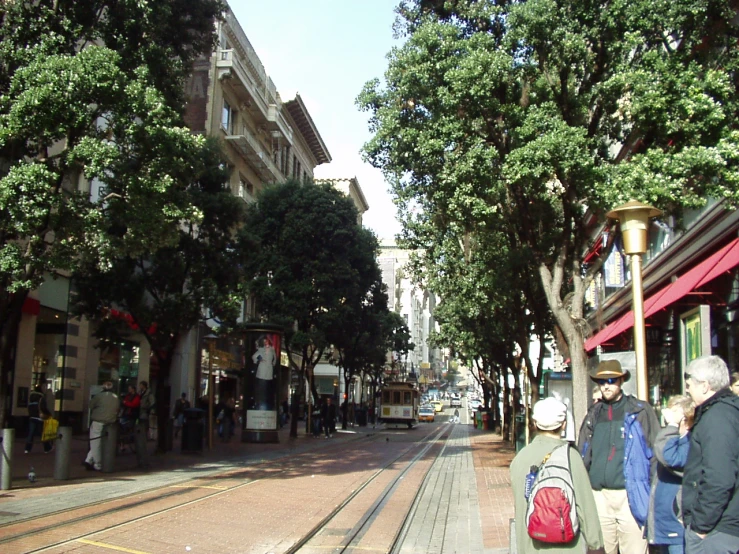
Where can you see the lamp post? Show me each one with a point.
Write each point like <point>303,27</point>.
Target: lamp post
<point>634,220</point>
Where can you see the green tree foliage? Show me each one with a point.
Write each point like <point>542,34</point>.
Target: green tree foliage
<point>91,92</point>
<point>530,116</point>
<point>491,305</point>
<point>169,290</point>
<point>310,265</point>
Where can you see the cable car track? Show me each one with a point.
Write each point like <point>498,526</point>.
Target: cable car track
<point>165,492</point>
<point>351,541</point>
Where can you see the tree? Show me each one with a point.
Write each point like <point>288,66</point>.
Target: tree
<point>309,265</point>
<point>90,92</point>
<point>533,117</point>
<point>168,291</point>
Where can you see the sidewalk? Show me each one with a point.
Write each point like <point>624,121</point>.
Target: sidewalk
<point>223,453</point>
<point>492,458</point>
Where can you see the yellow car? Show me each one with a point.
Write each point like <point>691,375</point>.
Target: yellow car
<point>438,405</point>
<point>426,413</point>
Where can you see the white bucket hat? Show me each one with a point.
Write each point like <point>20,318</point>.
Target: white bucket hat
<point>549,414</point>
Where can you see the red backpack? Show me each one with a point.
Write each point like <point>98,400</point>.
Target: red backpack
<point>551,514</point>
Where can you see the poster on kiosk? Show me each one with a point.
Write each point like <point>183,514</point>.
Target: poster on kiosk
<point>261,356</point>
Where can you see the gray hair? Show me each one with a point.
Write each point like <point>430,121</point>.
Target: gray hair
<point>709,369</point>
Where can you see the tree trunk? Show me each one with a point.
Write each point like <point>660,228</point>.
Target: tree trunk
<point>568,319</point>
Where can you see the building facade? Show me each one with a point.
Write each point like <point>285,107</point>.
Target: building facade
<point>691,296</point>
<point>417,308</point>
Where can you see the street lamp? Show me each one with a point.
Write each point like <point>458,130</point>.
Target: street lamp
<point>634,220</point>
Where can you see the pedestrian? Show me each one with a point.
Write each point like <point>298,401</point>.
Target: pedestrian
<point>550,416</point>
<point>711,477</point>
<point>180,405</point>
<point>328,415</point>
<point>665,526</point>
<point>38,411</point>
<point>735,383</point>
<point>228,421</point>
<point>285,412</point>
<point>616,442</point>
<point>147,401</point>
<point>316,416</point>
<point>103,413</point>
<point>127,416</point>
<point>455,417</point>
<point>596,395</point>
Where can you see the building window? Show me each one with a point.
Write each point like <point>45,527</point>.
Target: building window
<point>227,117</point>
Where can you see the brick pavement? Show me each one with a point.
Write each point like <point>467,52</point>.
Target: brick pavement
<point>475,468</point>
<point>492,457</point>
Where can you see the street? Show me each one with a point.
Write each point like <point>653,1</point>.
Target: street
<point>383,490</point>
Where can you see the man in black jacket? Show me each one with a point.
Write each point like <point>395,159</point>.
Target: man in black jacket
<point>711,478</point>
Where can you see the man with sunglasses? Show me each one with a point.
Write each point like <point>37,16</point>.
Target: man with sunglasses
<point>615,441</point>
<point>711,476</point>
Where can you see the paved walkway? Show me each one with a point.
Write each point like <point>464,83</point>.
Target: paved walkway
<point>465,505</point>
<point>446,517</point>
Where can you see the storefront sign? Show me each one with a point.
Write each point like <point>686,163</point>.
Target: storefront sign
<point>695,334</point>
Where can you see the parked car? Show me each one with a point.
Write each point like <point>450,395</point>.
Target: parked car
<point>474,404</point>
<point>438,405</point>
<point>426,413</point>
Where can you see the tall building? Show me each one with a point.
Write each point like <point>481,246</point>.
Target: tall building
<point>266,140</point>
<point>416,307</point>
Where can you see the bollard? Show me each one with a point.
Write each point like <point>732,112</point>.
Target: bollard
<point>63,448</point>
<point>512,544</point>
<point>6,450</point>
<point>110,443</point>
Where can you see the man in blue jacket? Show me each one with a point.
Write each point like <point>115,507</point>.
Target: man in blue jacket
<point>711,477</point>
<point>616,441</point>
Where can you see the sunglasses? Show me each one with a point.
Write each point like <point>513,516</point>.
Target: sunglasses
<point>609,381</point>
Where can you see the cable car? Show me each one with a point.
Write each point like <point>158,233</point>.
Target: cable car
<point>399,403</point>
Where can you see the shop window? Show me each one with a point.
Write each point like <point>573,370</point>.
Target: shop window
<point>119,363</point>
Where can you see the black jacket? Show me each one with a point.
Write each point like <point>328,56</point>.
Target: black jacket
<point>711,478</point>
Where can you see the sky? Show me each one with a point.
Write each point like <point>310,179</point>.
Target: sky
<point>327,50</point>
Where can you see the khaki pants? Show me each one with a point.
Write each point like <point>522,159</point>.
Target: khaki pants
<point>620,530</point>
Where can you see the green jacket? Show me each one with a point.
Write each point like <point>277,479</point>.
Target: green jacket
<point>590,533</point>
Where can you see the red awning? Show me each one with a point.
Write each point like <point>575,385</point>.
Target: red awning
<point>715,265</point>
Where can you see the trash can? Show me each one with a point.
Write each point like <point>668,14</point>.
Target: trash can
<point>520,432</point>
<point>485,418</point>
<point>192,430</point>
<point>361,416</point>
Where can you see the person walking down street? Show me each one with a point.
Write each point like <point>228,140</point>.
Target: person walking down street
<point>37,413</point>
<point>316,416</point>
<point>549,416</point>
<point>103,412</point>
<point>180,405</point>
<point>711,477</point>
<point>228,423</point>
<point>664,526</point>
<point>455,418</point>
<point>328,415</point>
<point>142,424</point>
<point>616,442</point>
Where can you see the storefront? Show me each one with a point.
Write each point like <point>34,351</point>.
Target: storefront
<point>691,292</point>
